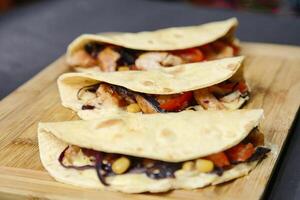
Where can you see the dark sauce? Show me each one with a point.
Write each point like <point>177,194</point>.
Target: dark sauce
<point>162,170</point>
<point>93,49</point>
<point>259,154</point>
<point>128,57</point>
<point>87,107</point>
<point>218,170</point>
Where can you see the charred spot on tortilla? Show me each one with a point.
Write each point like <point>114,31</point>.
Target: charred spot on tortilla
<point>231,66</point>
<point>148,83</point>
<point>167,90</point>
<point>166,132</point>
<point>177,35</point>
<point>139,149</point>
<point>108,123</point>
<point>150,41</point>
<point>178,70</point>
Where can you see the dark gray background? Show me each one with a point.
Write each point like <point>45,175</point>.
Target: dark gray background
<point>34,36</point>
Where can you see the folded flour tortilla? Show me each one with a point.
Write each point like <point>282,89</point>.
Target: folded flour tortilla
<point>172,137</point>
<point>165,81</point>
<point>164,40</point>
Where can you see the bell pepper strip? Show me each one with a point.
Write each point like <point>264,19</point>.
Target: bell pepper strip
<point>236,49</point>
<point>190,55</point>
<point>177,103</point>
<point>227,87</point>
<point>219,159</point>
<point>240,152</point>
<point>242,87</point>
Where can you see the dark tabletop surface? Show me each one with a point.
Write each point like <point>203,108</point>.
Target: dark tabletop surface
<point>34,36</point>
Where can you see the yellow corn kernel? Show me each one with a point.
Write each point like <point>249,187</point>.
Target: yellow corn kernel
<point>120,165</point>
<point>203,165</point>
<point>134,108</point>
<point>188,166</point>
<point>123,68</point>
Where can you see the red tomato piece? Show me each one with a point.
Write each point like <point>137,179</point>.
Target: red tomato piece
<point>240,152</point>
<point>236,49</point>
<point>242,87</point>
<point>176,103</point>
<point>219,159</point>
<point>190,55</point>
<point>227,87</point>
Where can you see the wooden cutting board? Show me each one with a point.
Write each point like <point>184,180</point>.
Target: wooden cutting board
<point>273,72</point>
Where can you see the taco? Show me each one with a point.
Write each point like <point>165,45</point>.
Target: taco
<point>110,52</point>
<point>136,153</point>
<point>211,85</point>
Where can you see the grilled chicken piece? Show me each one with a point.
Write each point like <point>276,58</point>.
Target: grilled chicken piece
<point>107,59</point>
<point>107,95</point>
<point>127,95</point>
<point>218,50</point>
<point>72,152</point>
<point>147,106</point>
<point>83,59</point>
<point>74,156</point>
<point>225,53</point>
<point>207,100</point>
<point>223,50</point>
<point>155,60</point>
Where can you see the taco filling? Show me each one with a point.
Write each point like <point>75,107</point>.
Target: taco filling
<point>108,164</point>
<point>226,95</point>
<point>109,58</point>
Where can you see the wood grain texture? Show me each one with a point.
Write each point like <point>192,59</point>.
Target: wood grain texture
<point>273,72</point>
